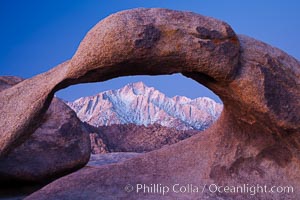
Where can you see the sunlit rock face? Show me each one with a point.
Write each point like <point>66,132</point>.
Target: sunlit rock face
<point>255,140</point>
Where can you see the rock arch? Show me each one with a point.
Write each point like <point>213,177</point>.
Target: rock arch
<point>256,137</point>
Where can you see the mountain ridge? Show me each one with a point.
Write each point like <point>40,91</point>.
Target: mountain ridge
<point>139,104</point>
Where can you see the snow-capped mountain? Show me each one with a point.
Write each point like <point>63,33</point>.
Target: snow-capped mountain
<point>138,104</point>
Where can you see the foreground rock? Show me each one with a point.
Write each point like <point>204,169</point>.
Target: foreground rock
<point>60,145</point>
<point>134,138</point>
<point>255,141</point>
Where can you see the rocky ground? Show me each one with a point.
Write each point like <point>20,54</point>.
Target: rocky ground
<point>134,138</point>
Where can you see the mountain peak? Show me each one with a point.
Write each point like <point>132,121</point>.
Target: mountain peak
<point>139,84</point>
<point>138,88</point>
<point>142,105</point>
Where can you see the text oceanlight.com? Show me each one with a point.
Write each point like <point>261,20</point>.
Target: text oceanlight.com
<point>212,188</point>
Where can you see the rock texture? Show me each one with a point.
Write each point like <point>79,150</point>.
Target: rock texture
<point>139,104</point>
<point>134,138</point>
<point>110,158</point>
<point>60,145</point>
<point>97,144</point>
<point>8,81</point>
<point>23,106</point>
<point>255,141</point>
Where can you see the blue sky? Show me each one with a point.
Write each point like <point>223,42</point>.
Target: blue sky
<point>37,35</point>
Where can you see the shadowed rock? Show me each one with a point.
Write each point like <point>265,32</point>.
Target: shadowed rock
<point>60,145</point>
<point>134,138</point>
<point>255,141</point>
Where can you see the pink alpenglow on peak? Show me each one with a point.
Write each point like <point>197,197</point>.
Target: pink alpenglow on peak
<point>139,104</point>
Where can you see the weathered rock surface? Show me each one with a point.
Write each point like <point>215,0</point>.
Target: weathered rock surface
<point>255,141</point>
<point>60,145</point>
<point>8,81</point>
<point>97,160</point>
<point>97,144</point>
<point>134,138</point>
<point>23,106</point>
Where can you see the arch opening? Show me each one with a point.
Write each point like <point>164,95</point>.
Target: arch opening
<point>142,113</point>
